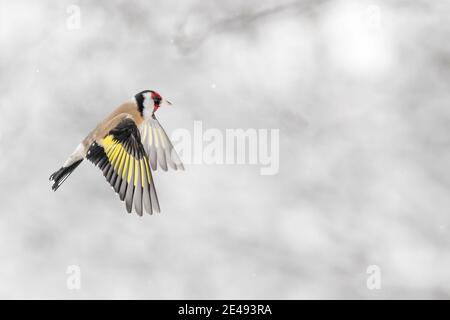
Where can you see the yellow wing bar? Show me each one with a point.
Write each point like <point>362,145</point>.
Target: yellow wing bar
<point>123,162</point>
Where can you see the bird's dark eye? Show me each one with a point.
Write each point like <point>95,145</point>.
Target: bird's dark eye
<point>157,100</point>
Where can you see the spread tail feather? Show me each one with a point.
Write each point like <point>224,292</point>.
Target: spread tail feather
<point>62,174</point>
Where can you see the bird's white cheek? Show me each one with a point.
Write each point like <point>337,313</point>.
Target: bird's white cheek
<point>148,103</point>
<point>148,108</point>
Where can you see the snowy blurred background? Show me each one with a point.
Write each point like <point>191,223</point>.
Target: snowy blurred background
<point>359,90</point>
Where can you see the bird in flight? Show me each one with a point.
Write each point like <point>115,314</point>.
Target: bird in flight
<point>127,146</point>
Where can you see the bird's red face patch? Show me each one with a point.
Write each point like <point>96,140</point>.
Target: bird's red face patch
<point>156,99</point>
<point>155,95</point>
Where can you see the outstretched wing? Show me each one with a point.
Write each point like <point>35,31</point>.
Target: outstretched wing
<point>122,158</point>
<point>158,146</point>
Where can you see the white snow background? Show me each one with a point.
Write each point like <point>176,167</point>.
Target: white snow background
<point>358,89</point>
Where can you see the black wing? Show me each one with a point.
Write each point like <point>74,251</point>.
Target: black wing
<point>124,162</point>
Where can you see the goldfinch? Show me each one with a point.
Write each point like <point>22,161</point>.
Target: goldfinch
<point>127,145</point>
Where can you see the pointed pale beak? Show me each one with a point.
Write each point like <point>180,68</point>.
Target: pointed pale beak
<point>168,102</point>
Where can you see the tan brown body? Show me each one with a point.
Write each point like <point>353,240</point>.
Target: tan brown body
<point>126,110</point>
